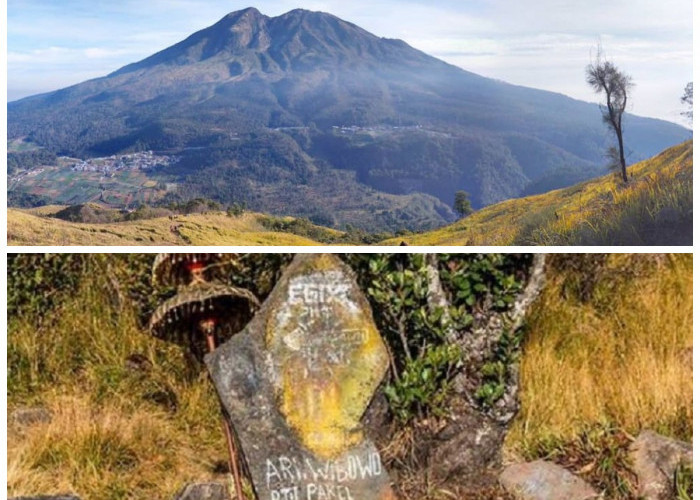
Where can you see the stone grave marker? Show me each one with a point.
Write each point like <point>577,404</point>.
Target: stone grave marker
<point>297,381</point>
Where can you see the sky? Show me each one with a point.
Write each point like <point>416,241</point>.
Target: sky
<point>544,44</point>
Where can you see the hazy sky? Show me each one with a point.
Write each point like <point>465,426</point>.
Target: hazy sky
<point>538,43</point>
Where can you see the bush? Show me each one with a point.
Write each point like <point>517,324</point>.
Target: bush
<point>301,227</point>
<point>424,360</point>
<point>235,209</point>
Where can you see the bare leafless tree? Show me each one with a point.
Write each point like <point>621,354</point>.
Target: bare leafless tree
<point>607,78</point>
<point>687,99</point>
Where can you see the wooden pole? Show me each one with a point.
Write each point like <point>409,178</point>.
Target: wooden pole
<point>232,451</point>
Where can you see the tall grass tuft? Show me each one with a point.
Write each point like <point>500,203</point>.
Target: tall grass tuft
<point>118,430</point>
<point>657,210</point>
<point>618,359</point>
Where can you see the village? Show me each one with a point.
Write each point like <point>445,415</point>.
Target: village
<point>382,130</point>
<point>135,161</point>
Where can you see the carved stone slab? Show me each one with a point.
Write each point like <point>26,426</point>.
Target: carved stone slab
<point>296,382</point>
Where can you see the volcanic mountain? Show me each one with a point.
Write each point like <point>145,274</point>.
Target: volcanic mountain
<point>284,113</point>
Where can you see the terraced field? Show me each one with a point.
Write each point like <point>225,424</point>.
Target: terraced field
<point>66,186</point>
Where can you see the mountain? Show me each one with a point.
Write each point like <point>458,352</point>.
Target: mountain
<point>268,110</point>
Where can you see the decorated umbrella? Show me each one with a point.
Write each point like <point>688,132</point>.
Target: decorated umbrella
<point>203,314</point>
<point>182,269</point>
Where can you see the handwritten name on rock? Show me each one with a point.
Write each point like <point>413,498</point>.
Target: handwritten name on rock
<point>301,479</point>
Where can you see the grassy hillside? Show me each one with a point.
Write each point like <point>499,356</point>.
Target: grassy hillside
<point>133,418</point>
<point>654,209</point>
<point>36,227</point>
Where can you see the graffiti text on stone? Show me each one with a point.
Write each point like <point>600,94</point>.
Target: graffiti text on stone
<point>301,479</point>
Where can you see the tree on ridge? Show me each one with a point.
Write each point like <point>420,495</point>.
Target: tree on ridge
<point>605,77</point>
<point>687,99</point>
<point>462,205</point>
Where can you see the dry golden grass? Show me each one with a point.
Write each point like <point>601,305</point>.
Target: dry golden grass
<point>116,432</point>
<point>593,212</point>
<point>32,227</point>
<point>623,358</point>
<point>101,451</point>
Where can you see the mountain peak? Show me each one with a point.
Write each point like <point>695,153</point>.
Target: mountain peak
<point>306,13</point>
<point>238,30</point>
<point>315,17</point>
<point>247,10</point>
<point>251,14</point>
<point>296,12</point>
<point>248,40</point>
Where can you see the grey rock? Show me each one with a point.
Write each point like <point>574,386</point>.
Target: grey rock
<point>541,480</point>
<point>203,491</point>
<point>297,381</point>
<point>654,460</point>
<point>26,416</point>
<point>468,448</point>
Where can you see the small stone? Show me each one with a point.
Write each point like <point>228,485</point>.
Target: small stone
<point>138,363</point>
<point>203,491</point>
<point>542,480</point>
<point>654,461</point>
<point>26,416</point>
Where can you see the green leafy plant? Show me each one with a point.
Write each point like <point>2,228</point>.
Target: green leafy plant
<point>421,334</point>
<point>495,372</point>
<point>36,281</point>
<point>474,279</point>
<point>423,385</point>
<point>683,482</point>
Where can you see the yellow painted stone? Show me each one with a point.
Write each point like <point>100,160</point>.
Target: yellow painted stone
<point>327,355</point>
